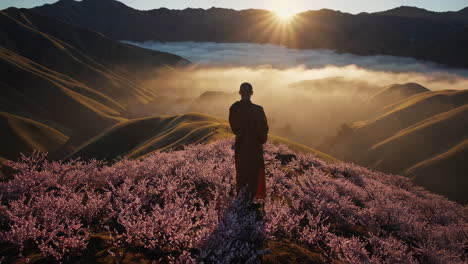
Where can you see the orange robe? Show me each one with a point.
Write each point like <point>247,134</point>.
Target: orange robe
<point>249,124</point>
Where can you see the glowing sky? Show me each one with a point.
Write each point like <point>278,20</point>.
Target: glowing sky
<point>349,6</point>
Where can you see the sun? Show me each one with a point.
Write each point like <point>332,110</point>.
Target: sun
<point>284,14</point>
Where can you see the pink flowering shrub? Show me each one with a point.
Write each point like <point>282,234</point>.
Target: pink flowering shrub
<point>180,207</point>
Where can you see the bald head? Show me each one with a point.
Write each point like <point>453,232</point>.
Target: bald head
<point>246,90</point>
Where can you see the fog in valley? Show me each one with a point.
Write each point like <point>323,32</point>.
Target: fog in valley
<point>307,94</point>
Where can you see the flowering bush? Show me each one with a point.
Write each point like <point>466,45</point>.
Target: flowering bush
<point>180,207</point>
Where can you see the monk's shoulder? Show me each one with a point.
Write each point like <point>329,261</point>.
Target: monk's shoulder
<point>258,108</point>
<point>235,106</point>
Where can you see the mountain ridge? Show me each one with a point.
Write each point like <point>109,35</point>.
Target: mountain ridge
<point>362,34</point>
<point>460,16</point>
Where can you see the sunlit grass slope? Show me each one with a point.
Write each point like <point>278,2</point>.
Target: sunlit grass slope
<point>407,112</point>
<point>71,79</point>
<point>106,65</point>
<point>140,137</point>
<point>22,135</point>
<point>40,93</point>
<point>431,136</point>
<point>394,93</point>
<point>397,92</point>
<point>425,128</point>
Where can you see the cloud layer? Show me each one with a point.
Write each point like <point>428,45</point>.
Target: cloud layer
<point>307,94</point>
<point>248,54</point>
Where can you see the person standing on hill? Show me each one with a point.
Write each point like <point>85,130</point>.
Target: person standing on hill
<point>249,123</point>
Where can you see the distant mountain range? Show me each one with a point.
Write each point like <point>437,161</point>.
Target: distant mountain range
<point>404,31</point>
<point>459,17</point>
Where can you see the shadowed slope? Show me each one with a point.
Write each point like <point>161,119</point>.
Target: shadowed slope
<point>140,137</point>
<point>420,141</point>
<point>445,173</point>
<point>34,91</point>
<point>71,79</point>
<point>106,65</point>
<point>422,128</point>
<point>22,135</point>
<point>406,113</point>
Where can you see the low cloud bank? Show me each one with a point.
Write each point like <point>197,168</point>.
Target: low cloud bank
<point>249,54</point>
<point>307,94</point>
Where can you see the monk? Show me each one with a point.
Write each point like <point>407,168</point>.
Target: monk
<point>249,124</point>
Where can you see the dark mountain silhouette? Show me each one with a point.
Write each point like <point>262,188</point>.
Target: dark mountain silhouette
<point>410,32</point>
<point>61,81</point>
<point>413,137</point>
<point>460,17</point>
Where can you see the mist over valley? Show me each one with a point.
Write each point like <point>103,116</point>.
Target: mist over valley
<point>300,89</point>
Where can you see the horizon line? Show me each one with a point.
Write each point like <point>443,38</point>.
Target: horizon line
<point>245,9</point>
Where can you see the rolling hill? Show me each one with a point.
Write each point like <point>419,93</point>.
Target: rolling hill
<point>394,93</point>
<point>139,137</point>
<point>89,57</point>
<point>37,92</point>
<point>412,135</point>
<point>452,164</point>
<point>401,32</point>
<point>60,78</point>
<point>22,135</point>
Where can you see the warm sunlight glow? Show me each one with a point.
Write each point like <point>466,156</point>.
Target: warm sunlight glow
<point>285,10</point>
<point>284,13</point>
